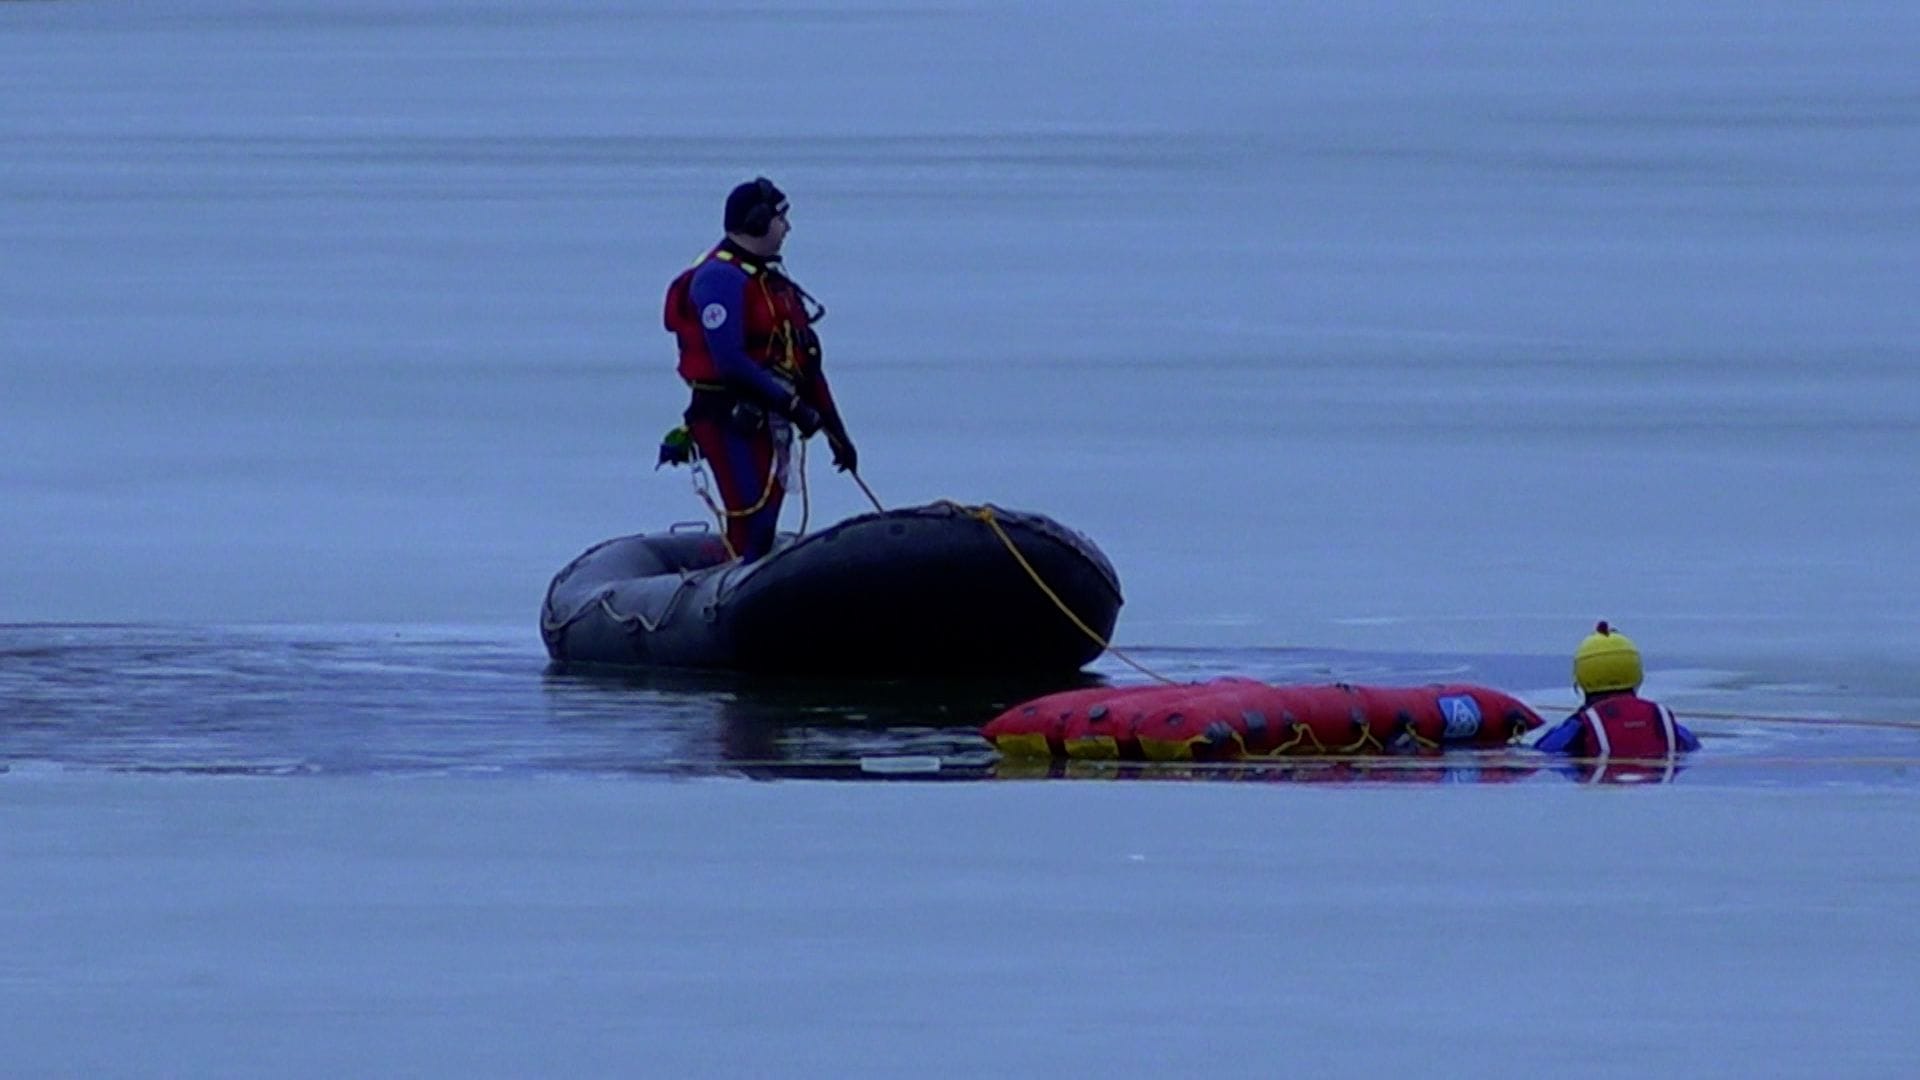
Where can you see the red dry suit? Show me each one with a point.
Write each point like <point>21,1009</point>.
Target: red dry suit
<point>750,356</point>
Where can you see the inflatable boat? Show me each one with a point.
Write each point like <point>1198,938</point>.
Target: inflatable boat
<point>942,589</point>
<point>1234,719</point>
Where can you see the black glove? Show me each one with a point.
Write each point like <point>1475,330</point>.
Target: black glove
<point>845,457</point>
<point>804,416</point>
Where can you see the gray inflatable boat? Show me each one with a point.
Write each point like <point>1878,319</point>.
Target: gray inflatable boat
<point>931,590</point>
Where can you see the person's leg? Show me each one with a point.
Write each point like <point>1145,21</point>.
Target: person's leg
<point>741,463</point>
<point>761,488</point>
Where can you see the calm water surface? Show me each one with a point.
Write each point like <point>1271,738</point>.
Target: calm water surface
<point>425,700</point>
<point>1370,343</point>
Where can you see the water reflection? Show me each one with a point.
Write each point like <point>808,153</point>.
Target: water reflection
<point>1623,772</point>
<point>788,726</point>
<point>1452,767</point>
<point>434,701</point>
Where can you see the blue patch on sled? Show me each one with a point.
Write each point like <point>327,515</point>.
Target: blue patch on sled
<point>1463,717</point>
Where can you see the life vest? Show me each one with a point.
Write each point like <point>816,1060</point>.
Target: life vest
<point>1626,726</point>
<point>778,324</point>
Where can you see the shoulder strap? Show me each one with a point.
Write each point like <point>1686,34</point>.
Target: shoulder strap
<point>679,299</point>
<point>1599,728</point>
<point>726,256</point>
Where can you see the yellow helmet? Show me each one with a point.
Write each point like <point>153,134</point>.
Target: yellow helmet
<point>1606,661</point>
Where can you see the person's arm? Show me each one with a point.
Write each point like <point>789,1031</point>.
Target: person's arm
<point>1562,738</point>
<point>1683,740</point>
<point>815,391</point>
<point>719,296</point>
<point>1687,740</point>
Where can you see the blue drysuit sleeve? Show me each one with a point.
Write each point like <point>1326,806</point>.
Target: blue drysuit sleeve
<point>1688,743</point>
<point>718,292</point>
<point>1563,739</point>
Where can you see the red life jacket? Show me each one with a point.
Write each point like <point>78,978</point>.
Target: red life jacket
<point>778,332</point>
<point>1627,726</point>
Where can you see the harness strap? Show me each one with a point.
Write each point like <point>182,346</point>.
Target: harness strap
<point>1599,732</point>
<point>727,256</point>
<point>1673,743</point>
<point>1667,724</point>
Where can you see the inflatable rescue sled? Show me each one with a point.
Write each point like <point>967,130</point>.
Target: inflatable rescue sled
<point>1232,719</point>
<point>932,590</point>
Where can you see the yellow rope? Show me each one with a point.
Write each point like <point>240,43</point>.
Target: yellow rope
<point>1301,733</point>
<point>1366,739</point>
<point>1420,740</point>
<point>703,488</point>
<point>1755,718</point>
<point>806,498</point>
<point>783,337</point>
<point>985,515</point>
<point>1809,721</point>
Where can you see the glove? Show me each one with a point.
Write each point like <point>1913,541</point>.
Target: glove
<point>676,449</point>
<point>804,416</point>
<point>748,416</point>
<point>845,457</point>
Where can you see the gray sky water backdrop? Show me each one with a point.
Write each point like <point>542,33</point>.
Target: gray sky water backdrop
<point>1336,325</point>
<point>1381,341</point>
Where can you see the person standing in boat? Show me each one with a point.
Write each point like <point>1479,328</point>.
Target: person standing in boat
<point>749,353</point>
<point>1614,722</point>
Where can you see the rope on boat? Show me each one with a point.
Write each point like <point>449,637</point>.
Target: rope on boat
<point>986,516</point>
<point>703,488</point>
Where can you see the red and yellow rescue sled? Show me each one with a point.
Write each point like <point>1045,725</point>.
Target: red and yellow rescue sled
<point>1231,719</point>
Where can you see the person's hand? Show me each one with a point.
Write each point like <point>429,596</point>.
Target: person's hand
<point>845,457</point>
<point>805,417</point>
